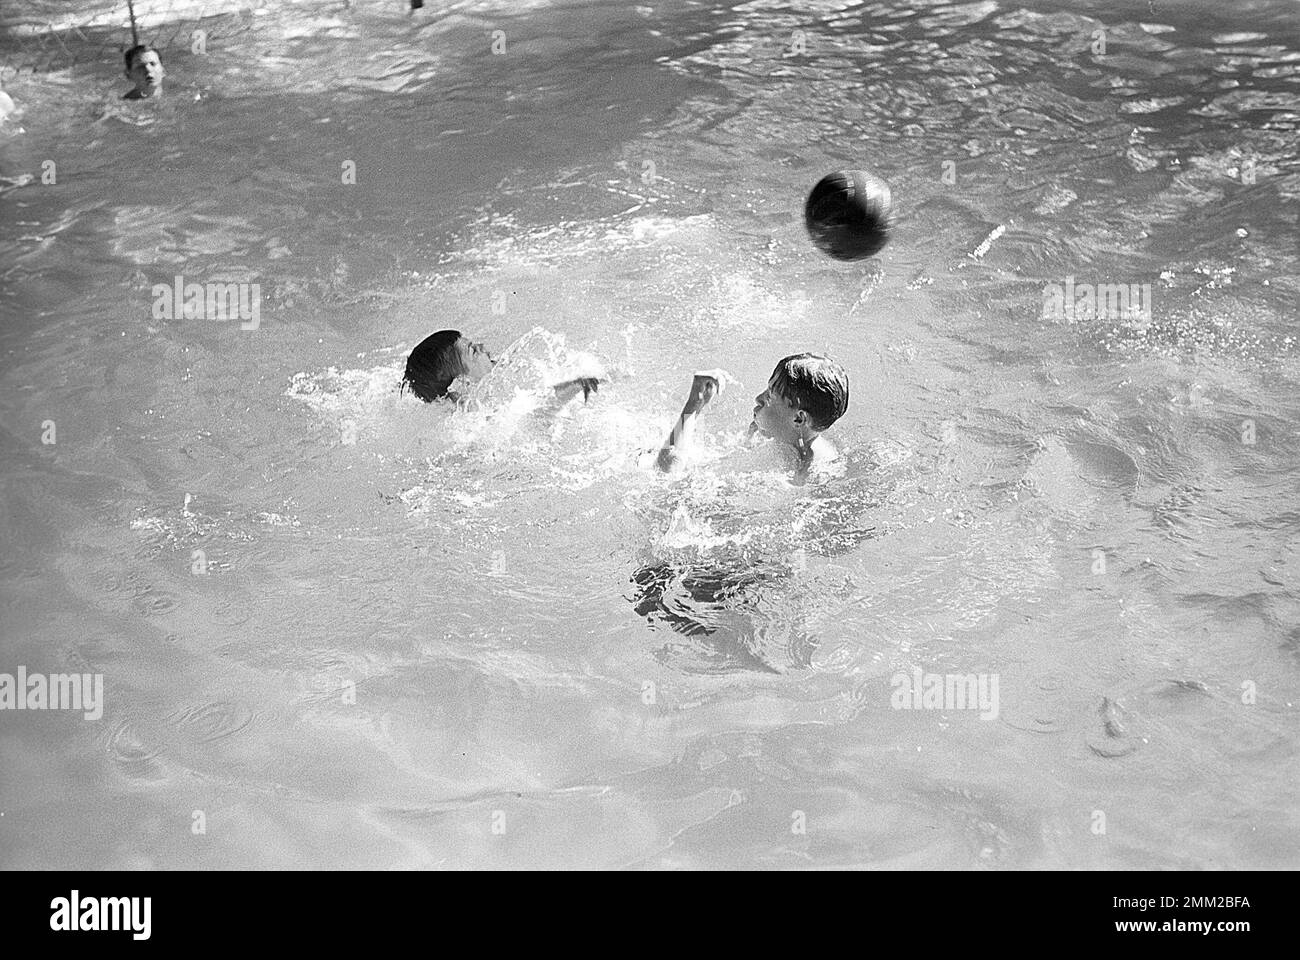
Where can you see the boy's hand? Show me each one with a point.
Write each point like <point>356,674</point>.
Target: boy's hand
<point>706,385</point>
<point>588,386</point>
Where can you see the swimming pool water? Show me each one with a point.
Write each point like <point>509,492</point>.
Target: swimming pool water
<point>484,638</point>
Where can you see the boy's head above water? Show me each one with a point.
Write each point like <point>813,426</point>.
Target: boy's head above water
<point>439,359</point>
<point>144,68</point>
<point>806,393</point>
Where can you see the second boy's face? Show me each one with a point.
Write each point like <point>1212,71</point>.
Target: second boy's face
<point>146,70</point>
<point>475,358</point>
<point>776,417</point>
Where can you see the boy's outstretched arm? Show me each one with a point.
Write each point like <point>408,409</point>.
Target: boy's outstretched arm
<point>706,385</point>
<point>566,391</point>
<point>592,376</point>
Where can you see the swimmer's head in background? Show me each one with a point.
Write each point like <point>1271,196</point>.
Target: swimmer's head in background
<point>144,68</point>
<point>439,359</point>
<point>806,393</point>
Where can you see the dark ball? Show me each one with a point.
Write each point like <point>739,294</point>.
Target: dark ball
<point>849,214</point>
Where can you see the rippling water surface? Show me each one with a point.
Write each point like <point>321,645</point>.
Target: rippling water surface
<point>487,638</point>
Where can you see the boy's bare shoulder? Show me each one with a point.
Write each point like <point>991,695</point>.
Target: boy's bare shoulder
<point>825,462</point>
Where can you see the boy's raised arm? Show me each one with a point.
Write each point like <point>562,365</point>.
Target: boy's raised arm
<point>706,385</point>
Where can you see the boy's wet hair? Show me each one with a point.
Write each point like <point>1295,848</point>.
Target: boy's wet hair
<point>433,365</point>
<point>815,384</point>
<point>139,50</point>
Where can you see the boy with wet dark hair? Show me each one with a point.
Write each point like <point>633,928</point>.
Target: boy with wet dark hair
<point>805,395</point>
<point>715,599</point>
<point>445,356</point>
<point>441,358</point>
<point>143,68</point>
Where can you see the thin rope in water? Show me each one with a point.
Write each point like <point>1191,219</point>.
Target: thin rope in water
<point>135,35</point>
